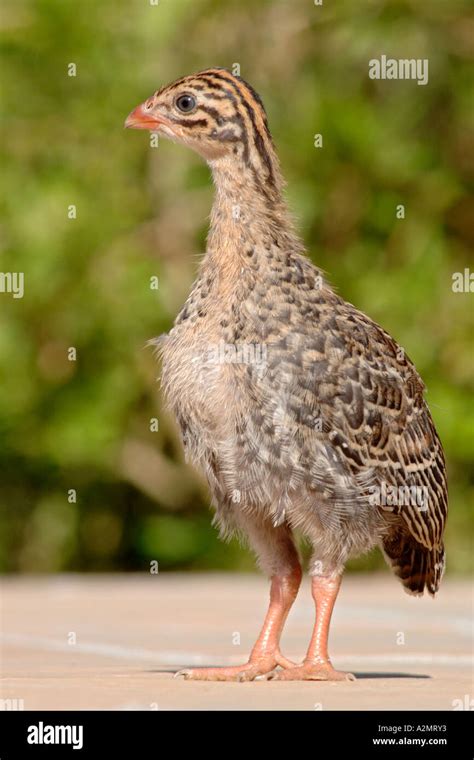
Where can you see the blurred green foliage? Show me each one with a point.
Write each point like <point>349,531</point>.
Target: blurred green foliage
<point>142,212</point>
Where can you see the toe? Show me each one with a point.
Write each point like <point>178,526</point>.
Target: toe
<point>309,673</point>
<point>238,673</point>
<point>283,662</point>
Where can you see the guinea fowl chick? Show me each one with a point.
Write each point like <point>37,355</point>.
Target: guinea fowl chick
<point>301,411</point>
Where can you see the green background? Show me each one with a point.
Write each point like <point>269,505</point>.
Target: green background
<point>142,212</point>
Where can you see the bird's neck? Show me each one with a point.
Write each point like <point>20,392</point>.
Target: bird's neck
<point>249,218</point>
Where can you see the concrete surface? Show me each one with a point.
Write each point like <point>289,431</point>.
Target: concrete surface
<point>112,642</point>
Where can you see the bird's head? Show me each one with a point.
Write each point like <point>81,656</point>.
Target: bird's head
<point>213,112</point>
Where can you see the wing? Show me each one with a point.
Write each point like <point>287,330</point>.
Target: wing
<point>340,407</point>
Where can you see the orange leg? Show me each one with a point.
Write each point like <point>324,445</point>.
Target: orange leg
<point>265,655</point>
<point>317,665</point>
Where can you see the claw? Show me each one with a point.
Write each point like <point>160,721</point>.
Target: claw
<point>184,673</point>
<point>252,674</point>
<point>272,675</point>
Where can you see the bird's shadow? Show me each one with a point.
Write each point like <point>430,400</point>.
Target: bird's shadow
<point>390,675</point>
<point>359,676</point>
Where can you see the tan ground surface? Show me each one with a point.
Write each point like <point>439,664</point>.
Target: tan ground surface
<point>131,632</point>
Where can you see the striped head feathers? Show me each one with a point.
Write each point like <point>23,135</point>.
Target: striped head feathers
<point>216,114</point>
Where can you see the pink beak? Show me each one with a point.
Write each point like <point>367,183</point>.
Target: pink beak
<point>140,118</point>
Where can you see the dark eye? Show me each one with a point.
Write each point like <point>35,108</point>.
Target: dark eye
<point>185,103</point>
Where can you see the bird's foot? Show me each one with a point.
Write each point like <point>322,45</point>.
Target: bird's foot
<point>310,671</point>
<point>256,668</point>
